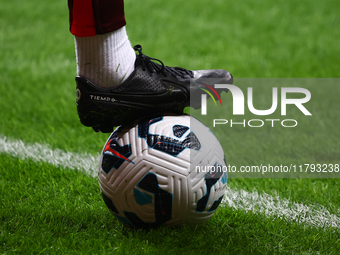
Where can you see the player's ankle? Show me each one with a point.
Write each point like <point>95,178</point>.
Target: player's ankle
<point>106,59</point>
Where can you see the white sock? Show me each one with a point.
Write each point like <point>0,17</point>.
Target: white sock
<point>106,60</point>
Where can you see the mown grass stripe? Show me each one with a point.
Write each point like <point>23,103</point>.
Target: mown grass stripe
<point>312,215</point>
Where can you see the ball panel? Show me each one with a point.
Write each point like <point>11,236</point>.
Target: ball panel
<point>149,177</point>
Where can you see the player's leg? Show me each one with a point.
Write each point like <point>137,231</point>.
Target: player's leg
<point>115,86</point>
<point>104,53</point>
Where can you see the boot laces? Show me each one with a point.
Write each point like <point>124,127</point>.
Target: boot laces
<point>153,67</point>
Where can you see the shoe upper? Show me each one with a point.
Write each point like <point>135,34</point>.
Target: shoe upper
<point>151,87</point>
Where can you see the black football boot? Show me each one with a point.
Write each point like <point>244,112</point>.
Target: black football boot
<point>152,88</point>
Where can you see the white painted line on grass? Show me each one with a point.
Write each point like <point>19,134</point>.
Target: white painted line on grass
<point>59,158</point>
<point>312,215</point>
<point>268,205</point>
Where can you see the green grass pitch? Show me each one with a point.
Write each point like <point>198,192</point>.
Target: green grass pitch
<point>46,209</point>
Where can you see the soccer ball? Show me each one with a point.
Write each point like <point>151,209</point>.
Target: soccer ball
<point>166,170</point>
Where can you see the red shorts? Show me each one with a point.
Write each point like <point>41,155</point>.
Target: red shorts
<point>91,17</point>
